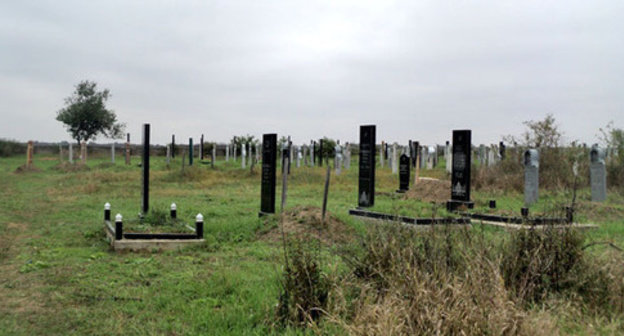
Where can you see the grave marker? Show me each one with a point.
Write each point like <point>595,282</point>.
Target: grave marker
<point>71,153</point>
<point>173,145</point>
<point>267,187</point>
<point>531,176</point>
<point>366,181</point>
<point>29,154</point>
<point>227,153</point>
<point>127,148</point>
<point>395,165</point>
<point>597,174</point>
<point>145,167</point>
<point>168,154</point>
<point>381,154</point>
<point>320,153</point>
<point>337,157</point>
<point>113,152</point>
<point>404,173</point>
<point>190,151</point>
<point>83,152</point>
<point>243,155</point>
<point>213,157</point>
<point>460,176</point>
<point>201,147</point>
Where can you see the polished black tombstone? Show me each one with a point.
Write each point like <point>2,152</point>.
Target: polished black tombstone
<point>366,181</point>
<point>173,146</point>
<point>201,147</point>
<point>501,150</point>
<point>267,187</point>
<point>404,173</point>
<point>145,166</point>
<point>460,176</point>
<point>190,151</point>
<point>320,156</point>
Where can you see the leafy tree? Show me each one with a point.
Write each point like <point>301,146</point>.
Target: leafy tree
<point>241,140</point>
<point>85,114</point>
<point>613,138</point>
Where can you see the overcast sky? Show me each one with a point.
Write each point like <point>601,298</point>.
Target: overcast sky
<point>416,69</point>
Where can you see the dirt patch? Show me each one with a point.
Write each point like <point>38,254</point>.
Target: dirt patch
<point>25,169</point>
<point>306,221</point>
<point>430,190</point>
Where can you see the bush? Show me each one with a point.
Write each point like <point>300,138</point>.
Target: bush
<point>304,287</point>
<point>539,262</point>
<point>11,147</point>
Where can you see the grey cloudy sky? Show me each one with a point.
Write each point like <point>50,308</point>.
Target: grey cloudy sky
<point>416,69</point>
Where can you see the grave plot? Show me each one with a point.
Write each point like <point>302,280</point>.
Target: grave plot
<point>366,190</point>
<point>525,220</point>
<point>185,235</point>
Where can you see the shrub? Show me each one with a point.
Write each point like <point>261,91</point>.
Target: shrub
<point>304,287</point>
<point>11,147</point>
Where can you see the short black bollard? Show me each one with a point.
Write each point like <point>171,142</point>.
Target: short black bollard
<point>524,212</point>
<point>107,211</point>
<point>174,211</point>
<point>569,214</point>
<point>492,204</point>
<point>199,226</point>
<point>118,227</point>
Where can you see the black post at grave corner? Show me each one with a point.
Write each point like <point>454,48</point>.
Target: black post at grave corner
<point>267,186</point>
<point>460,176</point>
<point>145,166</point>
<point>404,173</point>
<point>366,181</point>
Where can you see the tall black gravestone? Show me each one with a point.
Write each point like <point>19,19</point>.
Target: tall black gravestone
<point>190,151</point>
<point>416,149</point>
<point>320,156</point>
<point>404,173</point>
<point>145,166</point>
<point>173,145</point>
<point>267,187</point>
<point>201,147</point>
<point>366,182</point>
<point>501,150</point>
<point>460,176</point>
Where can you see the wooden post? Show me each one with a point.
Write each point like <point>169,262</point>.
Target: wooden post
<point>29,154</point>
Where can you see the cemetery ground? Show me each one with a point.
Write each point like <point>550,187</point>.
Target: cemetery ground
<point>59,276</point>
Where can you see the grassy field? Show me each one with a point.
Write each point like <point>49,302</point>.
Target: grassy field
<point>58,275</point>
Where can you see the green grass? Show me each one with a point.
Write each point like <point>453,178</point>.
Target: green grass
<point>58,275</point>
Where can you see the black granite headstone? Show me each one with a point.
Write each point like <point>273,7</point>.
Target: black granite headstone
<point>501,150</point>
<point>173,145</point>
<point>320,156</point>
<point>145,166</point>
<point>460,176</point>
<point>366,189</point>
<point>416,149</point>
<point>190,151</point>
<point>404,173</point>
<point>201,147</point>
<point>267,187</point>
